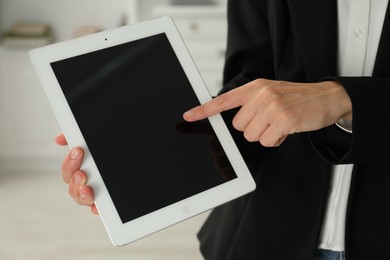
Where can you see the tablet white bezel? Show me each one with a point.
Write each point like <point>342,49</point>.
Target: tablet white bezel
<point>120,233</point>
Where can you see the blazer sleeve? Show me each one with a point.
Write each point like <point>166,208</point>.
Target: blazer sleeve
<point>370,136</point>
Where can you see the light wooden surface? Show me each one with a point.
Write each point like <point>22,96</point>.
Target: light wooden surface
<point>39,221</point>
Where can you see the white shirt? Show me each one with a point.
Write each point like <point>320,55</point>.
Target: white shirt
<point>360,27</point>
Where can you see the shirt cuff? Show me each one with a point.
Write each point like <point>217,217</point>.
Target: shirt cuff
<point>345,124</point>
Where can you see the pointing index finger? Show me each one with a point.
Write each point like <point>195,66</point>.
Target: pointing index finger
<point>217,105</point>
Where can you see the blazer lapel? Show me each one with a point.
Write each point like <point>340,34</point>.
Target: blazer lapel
<point>315,24</point>
<point>382,63</point>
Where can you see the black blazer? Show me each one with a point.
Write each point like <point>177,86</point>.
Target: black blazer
<point>296,40</point>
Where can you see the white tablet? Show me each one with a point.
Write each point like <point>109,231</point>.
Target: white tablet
<point>120,94</point>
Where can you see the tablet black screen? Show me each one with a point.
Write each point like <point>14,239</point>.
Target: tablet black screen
<point>128,101</point>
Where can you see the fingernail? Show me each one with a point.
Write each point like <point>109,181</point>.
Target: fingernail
<point>74,154</point>
<point>77,179</point>
<point>83,195</point>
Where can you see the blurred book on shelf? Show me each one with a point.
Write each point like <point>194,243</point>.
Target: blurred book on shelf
<point>27,35</point>
<point>192,2</point>
<point>86,30</point>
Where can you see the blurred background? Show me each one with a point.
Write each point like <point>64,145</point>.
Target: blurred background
<point>38,220</point>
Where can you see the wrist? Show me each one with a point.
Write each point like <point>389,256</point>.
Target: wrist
<point>341,102</point>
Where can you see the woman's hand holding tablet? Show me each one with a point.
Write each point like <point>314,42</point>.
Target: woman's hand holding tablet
<point>76,178</point>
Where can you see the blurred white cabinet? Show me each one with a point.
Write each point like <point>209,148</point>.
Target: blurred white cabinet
<point>204,30</point>
<point>28,126</point>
